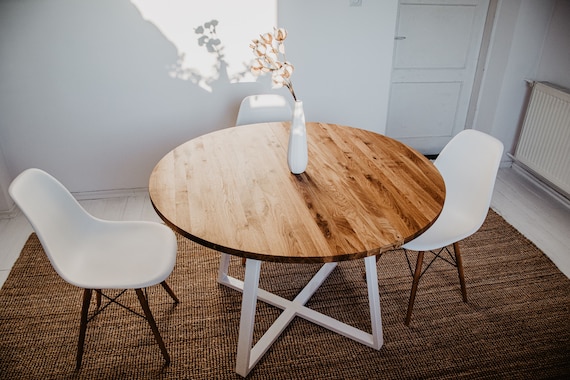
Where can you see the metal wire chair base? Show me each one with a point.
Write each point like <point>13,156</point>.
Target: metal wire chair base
<point>143,300</point>
<point>452,260</point>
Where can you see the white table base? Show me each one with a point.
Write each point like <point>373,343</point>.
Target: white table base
<point>248,356</point>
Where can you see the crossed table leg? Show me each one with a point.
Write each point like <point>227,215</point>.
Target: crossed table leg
<point>247,357</point>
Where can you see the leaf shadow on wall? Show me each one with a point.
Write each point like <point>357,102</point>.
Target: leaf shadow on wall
<point>103,109</point>
<point>208,38</point>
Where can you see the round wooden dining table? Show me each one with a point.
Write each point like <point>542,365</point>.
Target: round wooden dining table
<point>362,194</point>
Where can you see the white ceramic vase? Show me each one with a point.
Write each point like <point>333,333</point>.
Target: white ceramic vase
<point>297,153</point>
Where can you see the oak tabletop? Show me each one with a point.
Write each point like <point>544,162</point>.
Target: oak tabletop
<point>362,193</point>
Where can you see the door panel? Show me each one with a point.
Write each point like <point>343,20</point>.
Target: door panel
<point>436,99</point>
<point>435,58</point>
<point>428,47</point>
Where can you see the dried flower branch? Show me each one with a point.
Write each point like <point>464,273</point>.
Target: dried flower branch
<point>269,52</point>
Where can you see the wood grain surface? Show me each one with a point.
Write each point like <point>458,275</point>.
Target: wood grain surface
<point>361,194</point>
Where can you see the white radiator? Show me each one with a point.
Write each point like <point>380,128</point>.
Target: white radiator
<point>544,143</point>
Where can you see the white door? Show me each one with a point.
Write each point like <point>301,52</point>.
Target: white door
<point>435,59</point>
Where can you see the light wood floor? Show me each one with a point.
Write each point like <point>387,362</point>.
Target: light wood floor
<point>542,218</point>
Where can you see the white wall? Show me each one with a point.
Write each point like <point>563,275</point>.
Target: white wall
<point>530,41</point>
<point>343,58</point>
<point>554,63</point>
<point>85,91</point>
<point>6,204</point>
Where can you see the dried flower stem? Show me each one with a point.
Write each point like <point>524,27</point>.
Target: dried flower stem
<point>269,51</point>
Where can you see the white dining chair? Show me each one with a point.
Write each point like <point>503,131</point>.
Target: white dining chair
<point>96,254</point>
<point>263,108</point>
<point>468,165</point>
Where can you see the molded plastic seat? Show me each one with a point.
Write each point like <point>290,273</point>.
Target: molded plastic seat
<point>92,253</point>
<point>263,108</point>
<point>468,165</point>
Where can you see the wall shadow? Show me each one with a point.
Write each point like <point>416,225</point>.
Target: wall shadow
<point>91,99</point>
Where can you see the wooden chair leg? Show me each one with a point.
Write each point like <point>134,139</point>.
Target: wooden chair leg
<point>144,304</point>
<point>169,291</point>
<point>417,275</point>
<point>98,297</point>
<point>459,262</point>
<point>243,259</point>
<point>83,326</point>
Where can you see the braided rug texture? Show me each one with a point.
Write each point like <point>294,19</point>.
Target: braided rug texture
<point>516,324</point>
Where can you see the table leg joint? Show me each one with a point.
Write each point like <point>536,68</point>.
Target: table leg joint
<point>248,356</point>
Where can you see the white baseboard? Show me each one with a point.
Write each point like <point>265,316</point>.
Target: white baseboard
<point>104,194</point>
<point>88,195</point>
<point>9,214</point>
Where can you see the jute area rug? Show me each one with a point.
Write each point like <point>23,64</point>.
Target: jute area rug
<point>516,324</point>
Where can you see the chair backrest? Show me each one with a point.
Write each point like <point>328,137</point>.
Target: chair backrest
<point>263,108</point>
<point>469,165</point>
<point>57,218</point>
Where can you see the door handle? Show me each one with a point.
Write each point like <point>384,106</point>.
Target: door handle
<point>400,38</point>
